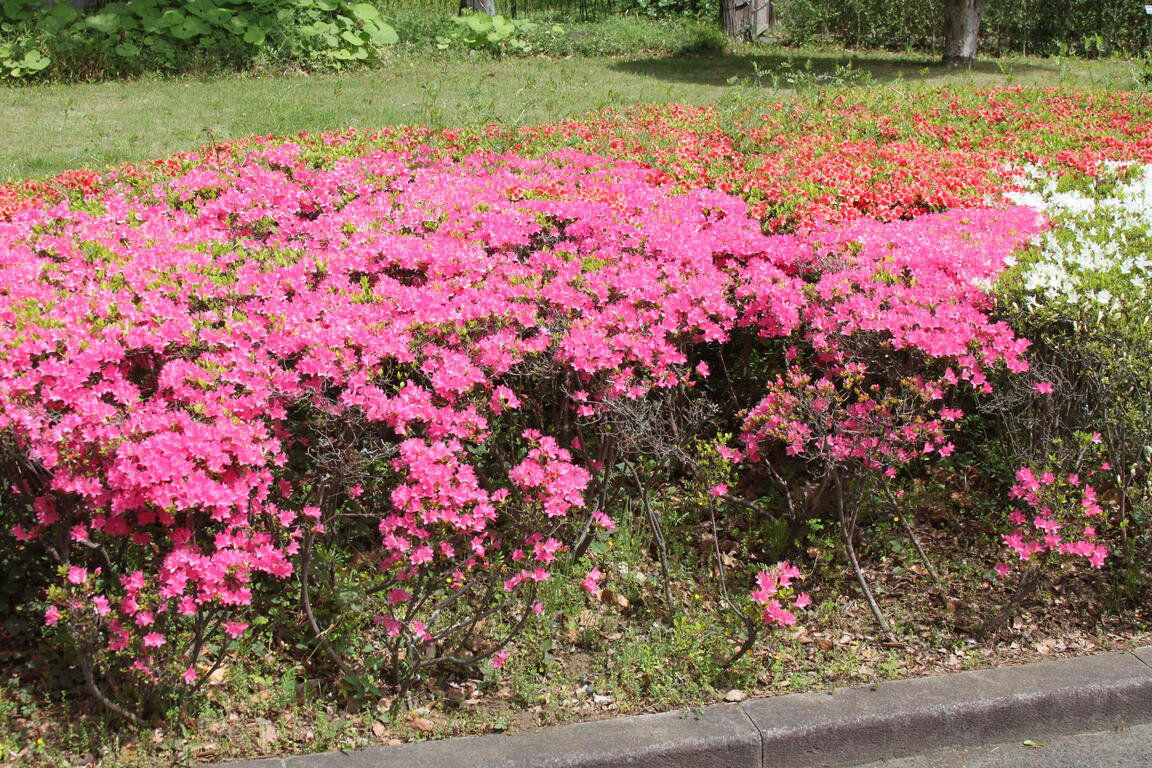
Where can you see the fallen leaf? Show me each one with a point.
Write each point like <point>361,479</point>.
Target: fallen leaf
<point>422,724</point>
<point>266,735</point>
<point>735,695</point>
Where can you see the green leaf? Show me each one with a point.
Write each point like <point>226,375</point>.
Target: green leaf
<point>381,34</point>
<point>478,22</point>
<point>64,14</point>
<point>254,36</point>
<point>364,11</point>
<point>189,29</point>
<point>35,61</point>
<point>352,38</point>
<point>127,50</point>
<point>108,23</point>
<point>170,18</point>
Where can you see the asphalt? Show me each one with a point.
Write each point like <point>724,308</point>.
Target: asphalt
<point>957,716</point>
<point>1118,748</point>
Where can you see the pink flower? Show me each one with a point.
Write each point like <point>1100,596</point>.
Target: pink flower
<point>77,575</point>
<point>153,640</point>
<point>591,582</point>
<point>190,675</point>
<point>51,615</point>
<point>1043,387</point>
<point>719,489</point>
<point>774,613</point>
<point>497,661</point>
<point>1003,569</point>
<point>234,628</point>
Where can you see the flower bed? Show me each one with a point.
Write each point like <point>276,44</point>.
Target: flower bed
<point>430,360</point>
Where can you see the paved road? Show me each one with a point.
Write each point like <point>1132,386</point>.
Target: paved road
<point>1128,748</point>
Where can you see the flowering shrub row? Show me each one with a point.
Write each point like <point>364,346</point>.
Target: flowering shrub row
<point>183,361</point>
<point>427,355</point>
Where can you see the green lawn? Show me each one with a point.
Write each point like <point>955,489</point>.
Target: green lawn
<point>50,128</point>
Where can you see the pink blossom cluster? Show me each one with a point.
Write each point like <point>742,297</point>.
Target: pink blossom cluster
<point>172,352</point>
<point>775,584</point>
<point>1057,518</point>
<point>884,322</point>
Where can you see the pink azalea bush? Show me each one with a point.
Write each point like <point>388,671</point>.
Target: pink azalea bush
<point>1056,519</point>
<point>412,356</point>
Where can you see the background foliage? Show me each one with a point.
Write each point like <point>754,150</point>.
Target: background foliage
<point>1084,27</point>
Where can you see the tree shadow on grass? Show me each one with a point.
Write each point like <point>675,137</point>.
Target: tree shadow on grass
<point>784,68</point>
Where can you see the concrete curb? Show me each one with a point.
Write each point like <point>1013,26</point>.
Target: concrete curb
<point>845,727</point>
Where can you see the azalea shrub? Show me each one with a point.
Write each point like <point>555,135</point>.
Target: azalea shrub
<point>1079,426</point>
<point>403,376</point>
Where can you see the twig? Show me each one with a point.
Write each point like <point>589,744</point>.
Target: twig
<point>657,532</point>
<point>1029,580</point>
<point>847,531</point>
<point>751,625</point>
<point>305,599</point>
<point>923,555</point>
<point>90,679</point>
<point>607,457</point>
<point>915,539</point>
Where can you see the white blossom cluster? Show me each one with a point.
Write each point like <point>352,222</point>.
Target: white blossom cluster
<point>1096,257</point>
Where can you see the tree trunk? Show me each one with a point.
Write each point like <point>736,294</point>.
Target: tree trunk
<point>736,19</point>
<point>479,6</point>
<point>962,30</point>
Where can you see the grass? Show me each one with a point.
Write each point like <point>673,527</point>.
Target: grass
<point>51,128</point>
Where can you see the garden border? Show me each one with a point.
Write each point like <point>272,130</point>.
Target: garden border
<point>846,726</point>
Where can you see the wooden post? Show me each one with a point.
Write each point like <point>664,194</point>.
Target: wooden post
<point>763,17</point>
<point>479,6</point>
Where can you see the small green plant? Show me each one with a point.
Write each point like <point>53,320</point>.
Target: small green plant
<point>18,61</point>
<point>495,35</point>
<point>123,38</point>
